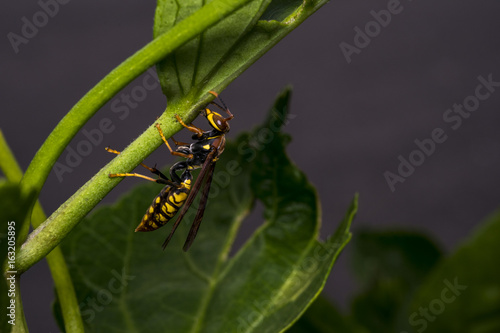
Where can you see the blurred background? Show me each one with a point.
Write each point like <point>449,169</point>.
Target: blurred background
<point>359,104</point>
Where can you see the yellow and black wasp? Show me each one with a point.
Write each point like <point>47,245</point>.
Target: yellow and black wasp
<point>203,153</point>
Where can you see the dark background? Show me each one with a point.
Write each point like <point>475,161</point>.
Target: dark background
<point>351,123</point>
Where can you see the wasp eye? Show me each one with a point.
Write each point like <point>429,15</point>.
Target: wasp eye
<point>222,125</point>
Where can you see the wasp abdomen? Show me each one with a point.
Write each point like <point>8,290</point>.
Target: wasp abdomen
<point>164,207</point>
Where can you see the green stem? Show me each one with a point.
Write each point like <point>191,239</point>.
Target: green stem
<point>54,145</point>
<point>20,326</point>
<point>63,284</point>
<point>65,291</point>
<point>60,273</point>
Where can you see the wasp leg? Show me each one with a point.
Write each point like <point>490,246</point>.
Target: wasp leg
<point>173,152</point>
<point>109,150</point>
<point>179,143</point>
<point>178,166</point>
<point>153,170</point>
<point>190,127</point>
<point>159,180</point>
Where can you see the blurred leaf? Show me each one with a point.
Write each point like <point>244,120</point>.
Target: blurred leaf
<point>463,293</point>
<point>390,264</point>
<point>13,209</point>
<point>13,205</point>
<point>126,283</point>
<point>323,317</point>
<point>215,58</point>
<point>57,312</point>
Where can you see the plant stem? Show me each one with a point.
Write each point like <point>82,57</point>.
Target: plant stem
<point>65,291</point>
<point>20,326</point>
<point>55,259</point>
<point>54,145</point>
<point>63,284</point>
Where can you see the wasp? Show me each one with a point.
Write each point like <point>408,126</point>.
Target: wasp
<point>203,153</point>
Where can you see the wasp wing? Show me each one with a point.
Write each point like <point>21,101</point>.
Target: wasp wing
<point>192,195</point>
<point>201,209</point>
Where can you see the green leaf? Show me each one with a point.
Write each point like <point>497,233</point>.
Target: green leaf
<point>189,65</point>
<point>463,293</point>
<point>125,283</point>
<point>13,209</point>
<point>57,312</point>
<point>13,204</point>
<point>390,264</point>
<point>283,267</point>
<point>323,317</point>
<point>218,55</point>
<point>387,254</point>
<point>8,163</point>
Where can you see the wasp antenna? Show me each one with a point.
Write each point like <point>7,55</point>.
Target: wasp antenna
<point>223,104</point>
<point>220,99</point>
<point>223,107</point>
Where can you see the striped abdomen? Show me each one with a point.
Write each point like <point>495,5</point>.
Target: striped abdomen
<point>164,207</point>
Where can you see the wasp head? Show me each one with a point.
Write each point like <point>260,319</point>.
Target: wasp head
<point>217,121</point>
